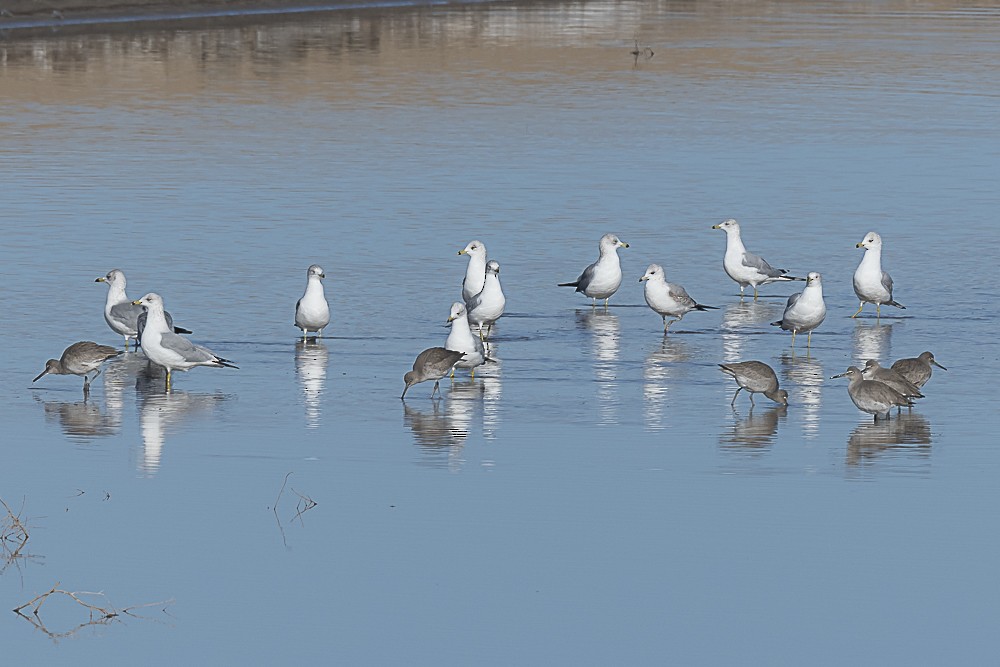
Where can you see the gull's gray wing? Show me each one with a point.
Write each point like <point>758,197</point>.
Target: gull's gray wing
<point>680,295</point>
<point>188,350</point>
<point>887,283</point>
<point>127,314</point>
<point>583,282</point>
<point>753,261</point>
<point>792,299</point>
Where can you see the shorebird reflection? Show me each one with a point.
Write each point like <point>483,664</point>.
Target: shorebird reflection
<point>754,433</point>
<point>161,413</point>
<point>907,434</point>
<point>311,359</point>
<point>659,369</point>
<point>81,420</point>
<point>605,331</point>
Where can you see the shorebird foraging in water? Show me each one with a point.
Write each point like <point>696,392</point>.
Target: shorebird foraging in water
<point>80,358</point>
<point>757,378</point>
<point>312,312</point>
<point>475,272</point>
<point>667,298</point>
<point>917,370</point>
<point>805,311</point>
<point>745,267</point>
<point>601,279</point>
<point>871,283</point>
<point>870,396</point>
<point>432,364</point>
<point>486,307</point>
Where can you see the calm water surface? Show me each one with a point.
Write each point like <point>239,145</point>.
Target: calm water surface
<point>589,499</point>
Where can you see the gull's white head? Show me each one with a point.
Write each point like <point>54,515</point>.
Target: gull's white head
<point>475,249</point>
<point>114,278</point>
<point>611,241</point>
<point>730,226</point>
<point>457,311</point>
<point>814,278</point>
<point>151,300</point>
<point>493,267</point>
<point>316,270</point>
<point>871,240</point>
<point>653,272</point>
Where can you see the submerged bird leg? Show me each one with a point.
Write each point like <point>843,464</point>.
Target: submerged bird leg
<point>472,374</point>
<point>809,339</point>
<point>752,404</point>
<point>167,382</point>
<point>878,311</point>
<point>754,292</point>
<point>606,303</point>
<point>437,386</point>
<point>452,376</point>
<point>859,310</point>
<point>738,390</point>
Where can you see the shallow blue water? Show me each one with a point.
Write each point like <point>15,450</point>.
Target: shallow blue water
<point>592,497</point>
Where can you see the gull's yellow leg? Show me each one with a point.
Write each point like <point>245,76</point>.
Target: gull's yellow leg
<point>754,292</point>
<point>859,310</point>
<point>878,310</point>
<point>793,337</point>
<point>809,340</point>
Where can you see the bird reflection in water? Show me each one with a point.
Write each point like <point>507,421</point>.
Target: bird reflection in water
<point>161,412</point>
<point>311,358</point>
<point>803,377</point>
<point>737,319</point>
<point>905,435</point>
<point>658,371</point>
<point>605,331</point>
<point>81,420</point>
<point>871,341</point>
<point>441,432</point>
<point>754,433</point>
<point>492,388</point>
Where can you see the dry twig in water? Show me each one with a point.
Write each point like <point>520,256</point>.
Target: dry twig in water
<point>304,505</point>
<point>14,537</point>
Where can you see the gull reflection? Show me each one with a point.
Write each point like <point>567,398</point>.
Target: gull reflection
<point>161,412</point>
<point>605,329</point>
<point>871,341</point>
<point>311,358</point>
<point>905,434</point>
<point>81,420</point>
<point>657,372</point>
<point>737,318</point>
<point>802,377</point>
<point>492,392</point>
<point>118,374</point>
<point>754,434</point>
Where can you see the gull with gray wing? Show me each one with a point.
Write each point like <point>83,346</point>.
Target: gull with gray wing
<point>804,311</point>
<point>486,307</point>
<point>745,267</point>
<point>871,283</point>
<point>667,298</point>
<point>601,279</point>
<point>124,317</point>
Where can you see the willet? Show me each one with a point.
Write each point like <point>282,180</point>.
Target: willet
<point>871,283</point>
<point>874,371</point>
<point>432,364</point>
<point>667,298</point>
<point>486,307</point>
<point>757,378</point>
<point>805,311</point>
<point>917,370</point>
<point>870,396</point>
<point>745,267</point>
<point>124,317</point>
<point>169,350</point>
<point>461,340</point>
<point>601,279</point>
<point>312,312</point>
<point>80,359</point>
<point>475,272</point>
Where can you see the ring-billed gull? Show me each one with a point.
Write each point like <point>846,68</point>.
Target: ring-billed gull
<point>871,283</point>
<point>431,364</point>
<point>666,298</point>
<point>745,267</point>
<point>461,340</point>
<point>80,358</point>
<point>475,273</point>
<point>870,396</point>
<point>804,311</point>
<point>874,371</point>
<point>757,378</point>
<point>917,370</point>
<point>486,307</point>
<point>169,350</point>
<point>312,312</point>
<point>124,317</point>
<point>602,278</point>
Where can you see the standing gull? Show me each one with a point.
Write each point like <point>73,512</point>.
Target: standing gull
<point>475,273</point>
<point>312,312</point>
<point>461,340</point>
<point>486,307</point>
<point>804,311</point>
<point>666,298</point>
<point>80,359</point>
<point>917,370</point>
<point>871,283</point>
<point>124,317</point>
<point>745,267</point>
<point>874,371</point>
<point>169,350</point>
<point>431,364</point>
<point>757,378</point>
<point>601,279</point>
<point>870,396</point>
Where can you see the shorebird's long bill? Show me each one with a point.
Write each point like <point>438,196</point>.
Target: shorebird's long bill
<point>41,375</point>
<point>834,377</point>
<point>938,365</point>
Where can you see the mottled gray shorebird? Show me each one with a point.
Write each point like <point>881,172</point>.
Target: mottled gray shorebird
<point>804,311</point>
<point>80,358</point>
<point>917,370</point>
<point>757,378</point>
<point>486,307</point>
<point>124,317</point>
<point>874,371</point>
<point>167,349</point>
<point>871,283</point>
<point>475,272</point>
<point>745,267</point>
<point>312,312</point>
<point>667,298</point>
<point>870,396</point>
<point>601,279</point>
<point>431,364</point>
